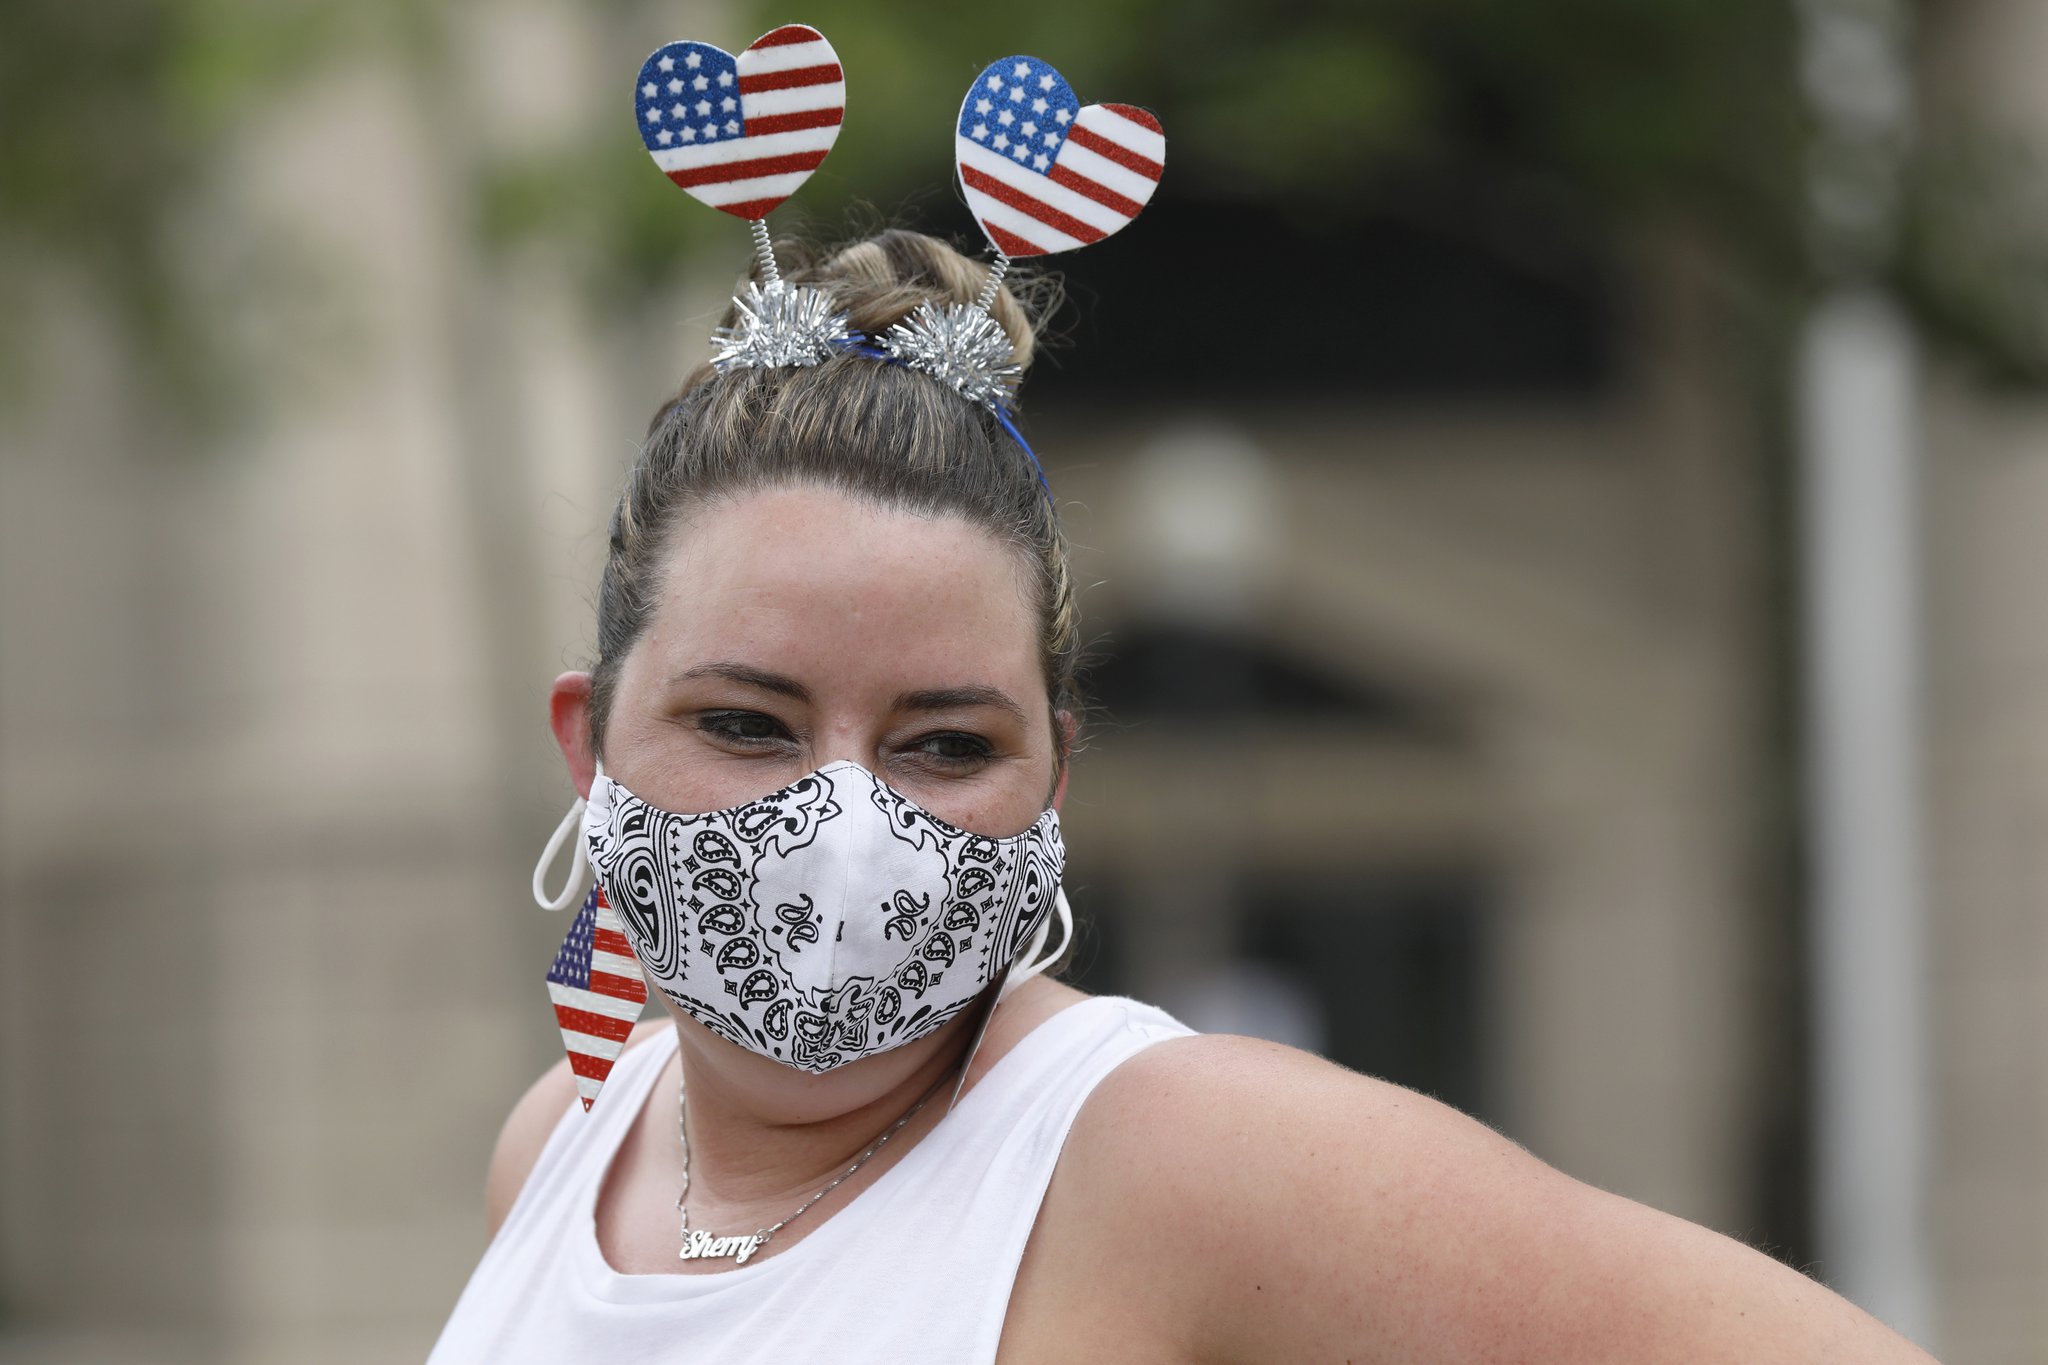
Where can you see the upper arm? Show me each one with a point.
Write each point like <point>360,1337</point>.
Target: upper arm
<point>1305,1212</point>
<point>527,1128</point>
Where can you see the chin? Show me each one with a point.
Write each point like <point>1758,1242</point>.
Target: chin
<point>790,1094</point>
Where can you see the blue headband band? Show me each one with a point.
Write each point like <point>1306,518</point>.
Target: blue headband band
<point>860,345</point>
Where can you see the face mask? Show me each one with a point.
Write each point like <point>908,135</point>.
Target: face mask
<point>826,922</point>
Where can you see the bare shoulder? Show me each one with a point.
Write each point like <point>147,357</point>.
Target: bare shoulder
<point>1307,1212</point>
<point>527,1128</point>
<point>1271,1113</point>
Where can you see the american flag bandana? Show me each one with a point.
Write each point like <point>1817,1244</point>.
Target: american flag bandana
<point>598,992</point>
<point>1042,172</point>
<point>742,134</point>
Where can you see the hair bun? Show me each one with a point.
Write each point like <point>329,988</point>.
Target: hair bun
<point>883,280</point>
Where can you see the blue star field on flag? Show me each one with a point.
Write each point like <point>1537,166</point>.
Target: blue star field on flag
<point>1021,108</point>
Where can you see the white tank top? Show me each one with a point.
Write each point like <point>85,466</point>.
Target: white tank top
<point>918,1268</point>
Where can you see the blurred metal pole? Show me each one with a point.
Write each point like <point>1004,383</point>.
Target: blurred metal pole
<point>1863,569</point>
<point>1862,572</point>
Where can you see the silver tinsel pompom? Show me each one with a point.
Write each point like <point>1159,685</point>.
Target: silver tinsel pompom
<point>961,345</point>
<point>780,324</point>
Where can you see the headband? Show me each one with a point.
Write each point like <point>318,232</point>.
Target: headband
<point>1041,173</point>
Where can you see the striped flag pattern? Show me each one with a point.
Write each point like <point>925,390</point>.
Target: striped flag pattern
<point>1044,174</point>
<point>598,992</point>
<point>742,134</point>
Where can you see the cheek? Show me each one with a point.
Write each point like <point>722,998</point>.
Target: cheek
<point>998,814</point>
<point>656,756</point>
<point>1005,801</point>
<point>695,784</point>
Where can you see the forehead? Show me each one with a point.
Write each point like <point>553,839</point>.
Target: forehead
<point>817,584</point>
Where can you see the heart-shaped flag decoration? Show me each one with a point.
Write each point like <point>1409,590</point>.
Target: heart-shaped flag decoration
<point>1044,174</point>
<point>742,134</point>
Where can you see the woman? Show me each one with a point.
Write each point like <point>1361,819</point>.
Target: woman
<point>818,568</point>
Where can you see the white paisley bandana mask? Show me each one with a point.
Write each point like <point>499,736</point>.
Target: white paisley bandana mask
<point>825,922</point>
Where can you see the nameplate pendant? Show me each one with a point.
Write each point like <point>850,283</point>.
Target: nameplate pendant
<point>707,1246</point>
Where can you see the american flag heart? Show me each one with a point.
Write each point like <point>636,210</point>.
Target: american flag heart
<point>742,134</point>
<point>1044,174</point>
<point>598,992</point>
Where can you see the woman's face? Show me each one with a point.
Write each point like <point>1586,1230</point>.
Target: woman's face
<point>798,627</point>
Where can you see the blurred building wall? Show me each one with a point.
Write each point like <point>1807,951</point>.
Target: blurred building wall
<point>275,767</point>
<point>1571,583</point>
<point>1987,797</point>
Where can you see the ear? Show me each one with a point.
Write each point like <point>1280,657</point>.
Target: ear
<point>1069,727</point>
<point>569,718</point>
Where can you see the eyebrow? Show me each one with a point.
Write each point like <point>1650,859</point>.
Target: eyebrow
<point>948,698</point>
<point>925,699</point>
<point>747,676</point>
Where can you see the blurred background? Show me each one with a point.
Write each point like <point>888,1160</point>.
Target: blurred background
<point>1561,487</point>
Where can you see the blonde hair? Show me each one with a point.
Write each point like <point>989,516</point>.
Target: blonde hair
<point>874,430</point>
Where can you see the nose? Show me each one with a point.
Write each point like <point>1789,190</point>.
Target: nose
<point>846,741</point>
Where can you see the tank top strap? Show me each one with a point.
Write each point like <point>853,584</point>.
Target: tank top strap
<point>974,1185</point>
<point>1051,1071</point>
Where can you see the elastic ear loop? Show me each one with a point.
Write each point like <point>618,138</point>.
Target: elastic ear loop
<point>1033,961</point>
<point>579,862</point>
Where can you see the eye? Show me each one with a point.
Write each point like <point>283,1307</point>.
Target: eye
<point>747,729</point>
<point>952,749</point>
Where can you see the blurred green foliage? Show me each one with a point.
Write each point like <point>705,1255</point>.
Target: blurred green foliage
<point>1973,262</point>
<point>116,116</point>
<point>1630,101</point>
<point>112,116</point>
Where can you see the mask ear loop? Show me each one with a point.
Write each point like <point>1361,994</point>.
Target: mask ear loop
<point>579,861</point>
<point>1034,961</point>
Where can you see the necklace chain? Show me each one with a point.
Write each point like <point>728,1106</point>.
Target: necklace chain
<point>698,1244</point>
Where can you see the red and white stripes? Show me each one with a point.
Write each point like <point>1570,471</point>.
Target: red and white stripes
<point>596,1021</point>
<point>1104,173</point>
<point>792,96</point>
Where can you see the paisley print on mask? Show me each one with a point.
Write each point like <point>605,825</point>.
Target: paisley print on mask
<point>720,882</point>
<point>906,915</point>
<point>820,910</point>
<point>712,847</point>
<point>722,919</point>
<point>738,954</point>
<point>801,922</point>
<point>649,911</point>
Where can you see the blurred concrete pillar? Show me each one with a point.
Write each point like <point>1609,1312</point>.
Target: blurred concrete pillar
<point>1862,574</point>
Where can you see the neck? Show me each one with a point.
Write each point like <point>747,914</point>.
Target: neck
<point>763,1135</point>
